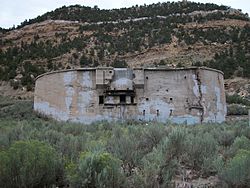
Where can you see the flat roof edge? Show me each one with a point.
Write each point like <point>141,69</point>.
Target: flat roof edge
<point>177,69</point>
<point>68,70</point>
<point>150,69</point>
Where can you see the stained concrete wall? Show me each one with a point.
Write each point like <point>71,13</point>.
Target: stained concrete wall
<point>193,95</point>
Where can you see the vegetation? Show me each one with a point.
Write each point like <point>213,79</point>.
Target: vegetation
<point>88,14</point>
<point>237,171</point>
<point>236,99</point>
<point>234,61</point>
<point>118,33</point>
<point>237,105</point>
<point>96,169</point>
<point>237,109</point>
<point>39,152</point>
<point>29,164</point>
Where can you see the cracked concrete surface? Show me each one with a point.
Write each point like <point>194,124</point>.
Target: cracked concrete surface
<point>190,95</point>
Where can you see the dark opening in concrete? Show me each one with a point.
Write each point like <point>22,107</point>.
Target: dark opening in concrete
<point>132,99</point>
<point>101,99</point>
<point>122,98</point>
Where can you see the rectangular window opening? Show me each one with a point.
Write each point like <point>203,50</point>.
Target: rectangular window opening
<point>122,98</point>
<point>132,100</point>
<point>101,99</point>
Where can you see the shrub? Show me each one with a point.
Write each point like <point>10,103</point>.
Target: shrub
<point>236,99</point>
<point>29,87</point>
<point>96,169</point>
<point>29,164</point>
<point>200,148</point>
<point>237,109</point>
<point>119,64</point>
<point>125,145</point>
<point>136,180</point>
<point>237,171</point>
<point>240,143</point>
<point>212,165</point>
<point>246,132</point>
<point>14,84</point>
<point>158,167</point>
<point>226,138</point>
<point>176,142</point>
<point>17,110</point>
<point>151,135</point>
<point>240,128</point>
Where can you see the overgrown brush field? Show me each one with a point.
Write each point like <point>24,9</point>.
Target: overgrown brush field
<point>39,152</point>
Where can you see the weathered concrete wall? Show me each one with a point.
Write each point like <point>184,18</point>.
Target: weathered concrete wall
<point>86,95</point>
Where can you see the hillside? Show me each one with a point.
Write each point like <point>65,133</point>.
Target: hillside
<point>163,34</point>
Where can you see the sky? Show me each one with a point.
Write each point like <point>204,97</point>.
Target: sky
<point>13,12</point>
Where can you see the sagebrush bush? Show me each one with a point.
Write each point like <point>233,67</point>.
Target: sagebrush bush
<point>212,165</point>
<point>246,132</point>
<point>21,110</point>
<point>121,146</point>
<point>176,142</point>
<point>158,166</point>
<point>237,171</point>
<point>96,169</point>
<point>226,138</point>
<point>29,164</point>
<point>200,148</point>
<point>236,99</point>
<point>153,135</point>
<point>237,109</point>
<point>240,143</point>
<point>143,155</point>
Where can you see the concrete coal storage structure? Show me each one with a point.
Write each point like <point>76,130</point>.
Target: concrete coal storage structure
<point>186,95</point>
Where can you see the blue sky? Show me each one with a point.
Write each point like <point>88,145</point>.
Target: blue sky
<point>13,12</point>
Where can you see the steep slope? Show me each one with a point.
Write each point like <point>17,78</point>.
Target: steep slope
<point>165,34</point>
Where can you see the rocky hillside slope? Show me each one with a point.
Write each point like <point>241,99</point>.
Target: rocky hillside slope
<point>163,34</point>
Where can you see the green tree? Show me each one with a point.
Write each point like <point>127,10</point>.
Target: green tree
<point>119,64</point>
<point>84,61</point>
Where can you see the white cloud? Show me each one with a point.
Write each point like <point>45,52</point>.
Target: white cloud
<point>15,12</point>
